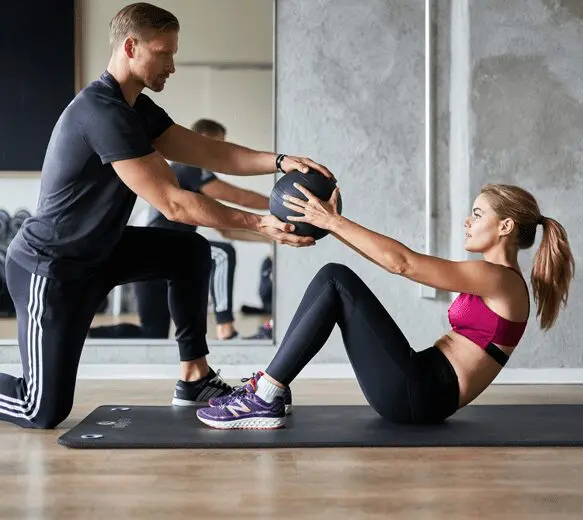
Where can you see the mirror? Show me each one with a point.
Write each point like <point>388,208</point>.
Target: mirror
<point>224,78</point>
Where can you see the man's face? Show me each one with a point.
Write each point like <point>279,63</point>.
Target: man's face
<point>152,61</point>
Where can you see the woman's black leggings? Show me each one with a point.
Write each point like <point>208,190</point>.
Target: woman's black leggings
<point>401,384</point>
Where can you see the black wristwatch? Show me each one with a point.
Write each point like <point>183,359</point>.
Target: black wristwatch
<point>278,162</point>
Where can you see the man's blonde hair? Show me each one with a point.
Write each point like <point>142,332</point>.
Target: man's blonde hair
<point>138,20</point>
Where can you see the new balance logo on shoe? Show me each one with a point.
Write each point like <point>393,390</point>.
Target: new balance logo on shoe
<point>237,406</point>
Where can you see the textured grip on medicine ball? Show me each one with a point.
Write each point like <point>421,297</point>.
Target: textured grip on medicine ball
<point>316,183</point>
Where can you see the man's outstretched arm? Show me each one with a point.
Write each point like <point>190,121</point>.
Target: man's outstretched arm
<point>179,144</point>
<point>152,179</point>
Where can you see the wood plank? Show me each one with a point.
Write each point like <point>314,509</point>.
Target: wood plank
<point>40,479</point>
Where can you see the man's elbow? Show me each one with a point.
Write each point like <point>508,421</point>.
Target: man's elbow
<point>174,211</point>
<point>171,213</point>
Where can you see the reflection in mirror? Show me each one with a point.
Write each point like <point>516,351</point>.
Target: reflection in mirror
<point>222,88</point>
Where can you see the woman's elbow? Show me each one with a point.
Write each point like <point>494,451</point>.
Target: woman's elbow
<point>397,265</point>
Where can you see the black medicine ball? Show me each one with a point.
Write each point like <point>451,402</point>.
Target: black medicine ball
<point>316,183</point>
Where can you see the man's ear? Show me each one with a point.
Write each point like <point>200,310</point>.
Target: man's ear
<point>506,226</point>
<point>129,47</point>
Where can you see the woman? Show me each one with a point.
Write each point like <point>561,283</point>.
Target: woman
<point>488,318</point>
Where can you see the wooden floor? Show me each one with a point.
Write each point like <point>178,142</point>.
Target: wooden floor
<point>40,479</point>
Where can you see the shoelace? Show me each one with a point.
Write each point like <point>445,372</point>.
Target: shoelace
<point>239,393</point>
<point>240,389</point>
<point>218,380</point>
<point>245,379</point>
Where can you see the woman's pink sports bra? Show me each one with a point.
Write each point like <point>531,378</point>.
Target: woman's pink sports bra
<point>472,318</point>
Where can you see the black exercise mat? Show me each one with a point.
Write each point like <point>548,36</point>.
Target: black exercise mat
<point>119,426</point>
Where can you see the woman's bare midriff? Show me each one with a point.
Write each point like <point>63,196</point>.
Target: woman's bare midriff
<point>474,368</point>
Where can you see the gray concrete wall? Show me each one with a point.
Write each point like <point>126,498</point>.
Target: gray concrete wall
<point>350,94</point>
<point>526,118</point>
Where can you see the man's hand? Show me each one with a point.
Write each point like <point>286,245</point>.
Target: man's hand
<point>281,232</point>
<point>302,164</point>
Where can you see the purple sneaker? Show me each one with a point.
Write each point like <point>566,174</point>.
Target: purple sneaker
<point>240,390</point>
<point>245,411</point>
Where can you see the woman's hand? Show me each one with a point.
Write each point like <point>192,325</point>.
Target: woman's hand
<point>319,213</point>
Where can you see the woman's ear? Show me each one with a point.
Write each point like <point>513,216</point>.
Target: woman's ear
<point>506,226</point>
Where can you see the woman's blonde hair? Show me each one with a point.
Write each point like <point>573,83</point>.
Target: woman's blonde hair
<point>554,266</point>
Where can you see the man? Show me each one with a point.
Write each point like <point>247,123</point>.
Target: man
<point>152,295</point>
<point>108,147</point>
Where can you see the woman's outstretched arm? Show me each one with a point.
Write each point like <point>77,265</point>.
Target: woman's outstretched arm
<point>474,276</point>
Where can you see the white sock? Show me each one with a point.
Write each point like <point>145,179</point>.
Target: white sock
<point>267,391</point>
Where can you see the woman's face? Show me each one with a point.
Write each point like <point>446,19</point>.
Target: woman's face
<point>481,227</point>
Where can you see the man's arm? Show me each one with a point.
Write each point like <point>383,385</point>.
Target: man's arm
<point>220,190</point>
<point>182,145</point>
<point>243,235</point>
<point>152,179</point>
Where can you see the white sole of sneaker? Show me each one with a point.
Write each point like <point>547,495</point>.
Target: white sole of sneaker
<point>255,423</point>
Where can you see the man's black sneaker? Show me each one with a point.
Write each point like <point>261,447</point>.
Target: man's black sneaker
<point>197,393</point>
